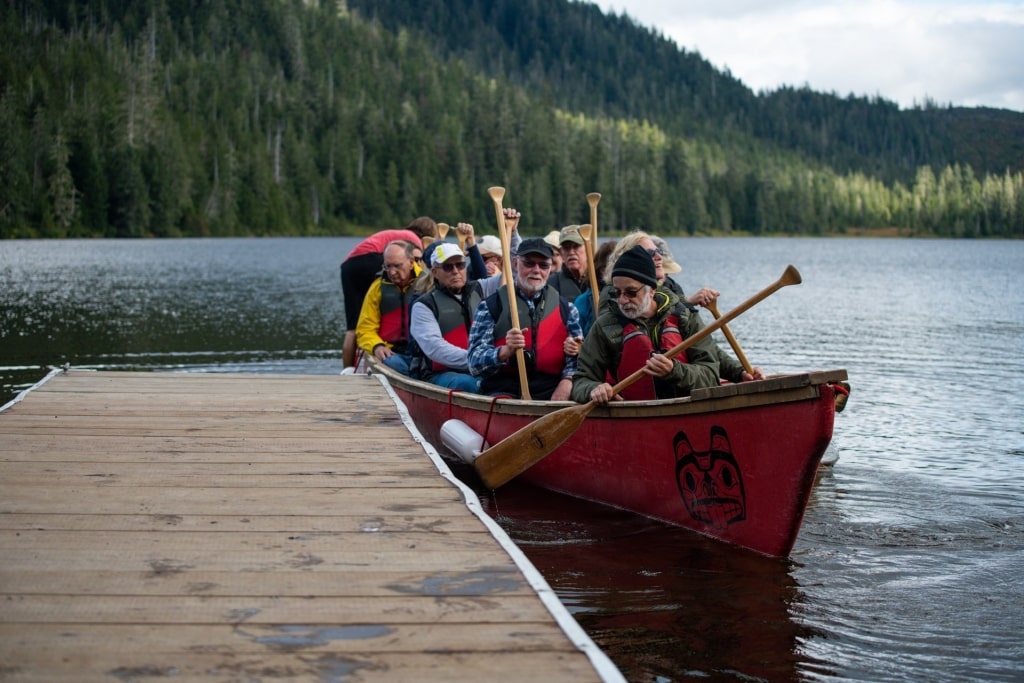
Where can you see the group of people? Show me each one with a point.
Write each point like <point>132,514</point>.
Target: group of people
<point>441,312</point>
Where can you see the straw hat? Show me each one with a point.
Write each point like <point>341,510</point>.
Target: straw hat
<point>667,262</point>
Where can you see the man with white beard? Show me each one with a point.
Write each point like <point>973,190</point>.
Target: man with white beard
<point>548,334</point>
<point>646,321</point>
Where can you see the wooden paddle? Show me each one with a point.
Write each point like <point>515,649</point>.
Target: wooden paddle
<point>530,444</point>
<point>592,199</point>
<point>585,232</point>
<point>442,231</point>
<point>713,307</point>
<point>497,194</point>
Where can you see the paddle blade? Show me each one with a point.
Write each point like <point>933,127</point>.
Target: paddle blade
<point>515,454</point>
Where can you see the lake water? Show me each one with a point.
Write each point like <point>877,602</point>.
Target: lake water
<point>910,561</point>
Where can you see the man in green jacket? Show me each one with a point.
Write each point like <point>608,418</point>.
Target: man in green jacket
<point>646,321</point>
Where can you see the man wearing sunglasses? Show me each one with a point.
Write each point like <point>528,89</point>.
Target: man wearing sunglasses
<point>633,334</point>
<point>362,267</point>
<point>441,318</point>
<point>383,327</point>
<point>547,321</point>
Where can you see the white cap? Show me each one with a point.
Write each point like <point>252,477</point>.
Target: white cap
<point>445,251</point>
<point>489,244</point>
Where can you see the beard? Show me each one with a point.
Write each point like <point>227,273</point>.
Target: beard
<point>635,308</point>
<point>531,288</point>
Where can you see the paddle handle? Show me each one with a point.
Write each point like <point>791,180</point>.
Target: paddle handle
<point>791,276</point>
<point>585,231</point>
<point>497,195</point>
<point>592,199</point>
<point>713,307</point>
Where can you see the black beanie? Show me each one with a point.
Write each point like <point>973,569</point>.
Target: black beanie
<point>637,264</point>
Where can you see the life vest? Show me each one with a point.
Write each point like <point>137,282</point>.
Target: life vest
<point>454,317</point>
<point>568,286</point>
<point>394,314</point>
<point>544,330</point>
<point>638,344</point>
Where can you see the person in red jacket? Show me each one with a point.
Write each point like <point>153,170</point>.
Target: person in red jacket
<point>363,265</point>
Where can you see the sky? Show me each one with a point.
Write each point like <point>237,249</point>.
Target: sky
<point>951,51</point>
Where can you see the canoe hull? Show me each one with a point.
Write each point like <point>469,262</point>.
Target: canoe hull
<point>736,463</point>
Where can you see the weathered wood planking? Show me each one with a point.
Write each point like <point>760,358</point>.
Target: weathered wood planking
<point>253,527</point>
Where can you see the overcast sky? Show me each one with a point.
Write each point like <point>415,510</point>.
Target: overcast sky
<point>967,53</point>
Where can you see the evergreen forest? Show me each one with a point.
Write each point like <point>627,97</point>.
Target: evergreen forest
<point>329,117</point>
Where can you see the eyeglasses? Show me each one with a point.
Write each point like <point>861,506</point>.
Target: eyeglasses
<point>530,265</point>
<point>417,259</point>
<point>655,252</point>
<point>630,293</point>
<point>450,266</point>
<point>492,257</point>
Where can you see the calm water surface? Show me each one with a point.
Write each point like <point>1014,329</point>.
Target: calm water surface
<point>910,562</point>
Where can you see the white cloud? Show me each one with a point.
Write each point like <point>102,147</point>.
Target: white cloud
<point>967,53</point>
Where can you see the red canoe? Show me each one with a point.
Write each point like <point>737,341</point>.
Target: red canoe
<point>736,462</point>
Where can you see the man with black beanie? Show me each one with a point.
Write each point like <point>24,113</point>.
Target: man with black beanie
<point>634,334</point>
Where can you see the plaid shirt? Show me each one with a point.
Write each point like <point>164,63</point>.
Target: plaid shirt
<point>483,354</point>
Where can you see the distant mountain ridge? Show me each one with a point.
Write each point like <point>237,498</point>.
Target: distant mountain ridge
<point>573,55</point>
<point>302,117</point>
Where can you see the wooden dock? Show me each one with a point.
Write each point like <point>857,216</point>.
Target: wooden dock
<point>223,527</point>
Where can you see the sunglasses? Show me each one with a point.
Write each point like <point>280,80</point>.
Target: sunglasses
<point>530,265</point>
<point>652,252</point>
<point>630,293</point>
<point>450,266</point>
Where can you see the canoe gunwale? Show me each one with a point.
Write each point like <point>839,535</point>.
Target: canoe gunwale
<point>775,389</point>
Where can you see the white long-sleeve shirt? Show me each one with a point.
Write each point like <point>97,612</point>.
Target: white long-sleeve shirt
<point>425,330</point>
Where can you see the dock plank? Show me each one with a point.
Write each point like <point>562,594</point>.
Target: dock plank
<point>253,527</point>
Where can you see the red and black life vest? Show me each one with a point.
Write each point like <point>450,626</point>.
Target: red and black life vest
<point>638,344</point>
<point>394,314</point>
<point>545,332</point>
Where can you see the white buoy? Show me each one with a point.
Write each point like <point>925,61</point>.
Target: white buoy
<point>460,439</point>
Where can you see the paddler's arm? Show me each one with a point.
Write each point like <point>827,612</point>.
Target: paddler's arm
<point>701,369</point>
<point>368,328</point>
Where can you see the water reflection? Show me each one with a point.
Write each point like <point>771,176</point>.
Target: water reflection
<point>658,599</point>
<point>910,578</point>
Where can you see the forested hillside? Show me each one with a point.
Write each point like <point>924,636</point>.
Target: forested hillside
<point>233,117</point>
<point>587,61</point>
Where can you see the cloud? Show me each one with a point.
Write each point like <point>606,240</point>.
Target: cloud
<point>967,53</point>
